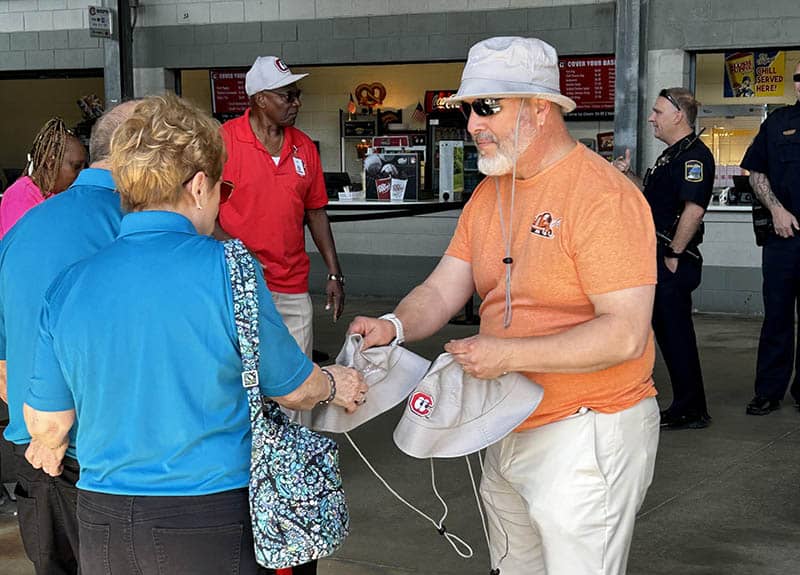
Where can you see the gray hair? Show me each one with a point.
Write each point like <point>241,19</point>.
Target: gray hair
<point>103,129</point>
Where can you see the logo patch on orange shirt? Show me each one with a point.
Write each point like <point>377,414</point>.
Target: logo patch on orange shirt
<point>544,225</point>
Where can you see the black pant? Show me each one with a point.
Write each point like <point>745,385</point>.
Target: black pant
<point>194,535</point>
<point>777,354</point>
<point>674,331</point>
<point>47,520</point>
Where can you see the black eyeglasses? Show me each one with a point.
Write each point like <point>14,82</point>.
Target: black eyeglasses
<point>667,96</point>
<point>290,96</point>
<point>796,77</point>
<point>482,106</point>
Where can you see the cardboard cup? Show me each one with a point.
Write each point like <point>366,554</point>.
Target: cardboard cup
<point>383,187</point>
<point>398,189</point>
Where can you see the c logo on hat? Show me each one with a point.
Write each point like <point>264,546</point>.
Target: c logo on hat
<point>280,65</point>
<point>421,404</point>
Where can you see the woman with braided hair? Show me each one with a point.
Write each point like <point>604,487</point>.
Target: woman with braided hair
<point>53,164</point>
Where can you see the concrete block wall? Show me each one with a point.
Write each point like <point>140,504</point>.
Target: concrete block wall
<point>371,39</point>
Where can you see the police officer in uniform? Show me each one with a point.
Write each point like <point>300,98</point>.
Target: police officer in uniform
<point>678,189</point>
<point>773,160</point>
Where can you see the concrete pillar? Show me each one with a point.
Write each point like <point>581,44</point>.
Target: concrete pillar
<point>152,81</point>
<point>626,100</point>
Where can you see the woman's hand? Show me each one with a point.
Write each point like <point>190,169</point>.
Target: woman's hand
<point>351,389</point>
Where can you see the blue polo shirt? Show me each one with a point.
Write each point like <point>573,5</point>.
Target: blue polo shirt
<point>140,339</point>
<point>66,228</point>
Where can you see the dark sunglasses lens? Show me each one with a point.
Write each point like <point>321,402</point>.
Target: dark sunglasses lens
<point>796,77</point>
<point>225,191</point>
<point>466,109</point>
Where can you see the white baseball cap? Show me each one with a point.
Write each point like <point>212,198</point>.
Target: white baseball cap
<point>512,67</point>
<point>391,372</point>
<point>452,414</point>
<point>269,73</point>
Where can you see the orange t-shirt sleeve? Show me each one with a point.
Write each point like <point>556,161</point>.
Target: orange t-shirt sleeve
<point>460,245</point>
<point>614,243</point>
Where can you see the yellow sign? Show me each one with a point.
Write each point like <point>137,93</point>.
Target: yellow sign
<point>754,74</point>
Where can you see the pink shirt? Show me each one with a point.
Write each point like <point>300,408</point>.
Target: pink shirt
<point>20,196</point>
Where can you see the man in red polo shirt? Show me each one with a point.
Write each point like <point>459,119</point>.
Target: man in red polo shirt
<point>278,187</point>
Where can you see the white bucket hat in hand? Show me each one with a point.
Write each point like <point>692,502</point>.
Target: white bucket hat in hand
<point>391,372</point>
<point>512,67</point>
<point>452,414</point>
<point>269,73</point>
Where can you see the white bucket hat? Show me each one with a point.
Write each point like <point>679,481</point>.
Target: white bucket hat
<point>391,372</point>
<point>451,414</point>
<point>512,67</point>
<point>269,73</point>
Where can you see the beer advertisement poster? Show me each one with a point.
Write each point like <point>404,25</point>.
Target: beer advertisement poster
<point>757,74</point>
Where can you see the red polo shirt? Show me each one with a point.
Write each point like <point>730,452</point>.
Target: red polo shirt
<point>267,208</point>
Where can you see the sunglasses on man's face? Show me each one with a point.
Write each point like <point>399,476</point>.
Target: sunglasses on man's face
<point>289,96</point>
<point>796,77</point>
<point>482,106</point>
<point>670,98</point>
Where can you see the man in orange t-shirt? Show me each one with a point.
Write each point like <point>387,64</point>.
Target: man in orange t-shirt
<point>561,249</point>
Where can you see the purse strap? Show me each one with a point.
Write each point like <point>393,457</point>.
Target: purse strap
<point>242,271</point>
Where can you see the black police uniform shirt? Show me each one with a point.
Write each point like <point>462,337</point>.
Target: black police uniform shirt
<point>775,151</point>
<point>683,172</point>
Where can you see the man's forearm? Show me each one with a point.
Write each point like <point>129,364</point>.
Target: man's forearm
<point>761,186</point>
<point>431,304</point>
<point>600,343</point>
<point>51,429</point>
<point>320,227</point>
<point>423,312</point>
<point>688,224</point>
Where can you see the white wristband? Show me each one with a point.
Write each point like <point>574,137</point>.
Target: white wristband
<point>398,328</point>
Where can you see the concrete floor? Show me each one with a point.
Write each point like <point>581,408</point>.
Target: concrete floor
<point>724,500</point>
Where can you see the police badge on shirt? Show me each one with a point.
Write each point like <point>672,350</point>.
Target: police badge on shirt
<point>693,171</point>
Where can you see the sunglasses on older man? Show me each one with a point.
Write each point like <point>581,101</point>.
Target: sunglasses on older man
<point>481,106</point>
<point>796,77</point>
<point>670,98</point>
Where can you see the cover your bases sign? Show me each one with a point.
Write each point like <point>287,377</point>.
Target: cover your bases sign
<point>589,80</point>
<point>754,74</point>
<point>228,96</point>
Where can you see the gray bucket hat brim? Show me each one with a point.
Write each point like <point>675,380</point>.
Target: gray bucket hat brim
<point>391,372</point>
<point>452,414</point>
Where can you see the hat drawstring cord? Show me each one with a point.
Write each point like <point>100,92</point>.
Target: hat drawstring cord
<point>494,570</point>
<point>465,551</point>
<point>508,237</point>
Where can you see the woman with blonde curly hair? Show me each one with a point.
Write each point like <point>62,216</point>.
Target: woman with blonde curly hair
<point>53,164</point>
<point>138,344</point>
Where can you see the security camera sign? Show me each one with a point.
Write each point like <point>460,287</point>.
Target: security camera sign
<point>99,22</point>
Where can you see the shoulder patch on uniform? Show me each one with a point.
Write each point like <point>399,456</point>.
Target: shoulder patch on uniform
<point>693,171</point>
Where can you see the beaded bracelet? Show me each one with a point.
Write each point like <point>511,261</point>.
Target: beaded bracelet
<point>332,381</point>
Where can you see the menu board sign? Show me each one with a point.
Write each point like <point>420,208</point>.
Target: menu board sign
<point>228,96</point>
<point>589,80</point>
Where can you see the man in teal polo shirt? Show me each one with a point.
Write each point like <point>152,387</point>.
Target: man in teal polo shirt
<point>53,235</point>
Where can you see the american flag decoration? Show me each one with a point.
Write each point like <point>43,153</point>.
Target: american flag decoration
<point>419,113</point>
<point>351,105</point>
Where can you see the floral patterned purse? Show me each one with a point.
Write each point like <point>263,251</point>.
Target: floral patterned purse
<point>297,504</point>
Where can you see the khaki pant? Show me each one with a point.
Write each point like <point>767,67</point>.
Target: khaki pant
<point>298,315</point>
<point>567,493</point>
